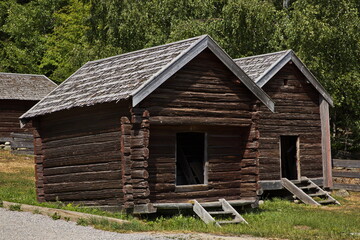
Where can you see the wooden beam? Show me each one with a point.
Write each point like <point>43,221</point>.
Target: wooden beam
<point>346,174</point>
<point>346,163</point>
<point>325,142</point>
<point>351,187</point>
<point>235,203</point>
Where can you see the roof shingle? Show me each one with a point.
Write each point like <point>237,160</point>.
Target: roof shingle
<point>110,79</point>
<point>16,86</point>
<point>256,66</point>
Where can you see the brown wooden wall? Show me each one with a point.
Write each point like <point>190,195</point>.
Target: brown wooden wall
<point>204,96</point>
<point>297,113</point>
<point>10,111</point>
<point>231,165</point>
<point>78,155</point>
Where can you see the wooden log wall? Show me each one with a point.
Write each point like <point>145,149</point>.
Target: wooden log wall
<point>231,163</point>
<point>204,92</point>
<point>134,155</point>
<point>10,111</point>
<point>78,152</point>
<point>204,96</point>
<point>297,113</point>
<point>140,155</point>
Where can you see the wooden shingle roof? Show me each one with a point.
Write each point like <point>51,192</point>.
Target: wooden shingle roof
<point>262,68</point>
<point>133,76</point>
<point>15,86</point>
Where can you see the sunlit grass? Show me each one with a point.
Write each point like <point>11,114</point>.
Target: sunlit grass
<point>276,218</point>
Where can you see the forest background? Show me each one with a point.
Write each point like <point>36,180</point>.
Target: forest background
<point>56,37</point>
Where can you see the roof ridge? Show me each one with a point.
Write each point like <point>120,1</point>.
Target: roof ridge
<point>261,55</point>
<point>273,65</point>
<point>25,74</point>
<point>182,53</point>
<point>146,49</point>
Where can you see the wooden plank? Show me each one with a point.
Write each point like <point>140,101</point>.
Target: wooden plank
<point>184,120</point>
<point>27,136</point>
<point>346,174</point>
<point>21,143</point>
<point>202,213</point>
<point>351,187</point>
<point>325,142</point>
<point>346,163</point>
<point>298,192</point>
<point>226,206</point>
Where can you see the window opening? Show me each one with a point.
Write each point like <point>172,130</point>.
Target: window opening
<point>190,158</point>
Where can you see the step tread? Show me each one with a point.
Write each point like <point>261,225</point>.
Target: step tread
<point>229,222</point>
<point>327,201</point>
<point>309,187</point>
<point>219,212</point>
<point>317,194</point>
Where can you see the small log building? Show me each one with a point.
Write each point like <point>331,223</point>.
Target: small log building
<point>161,125</point>
<point>294,140</point>
<point>18,93</point>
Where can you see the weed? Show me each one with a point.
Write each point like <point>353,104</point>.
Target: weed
<point>58,203</point>
<point>1,203</point>
<point>15,207</point>
<point>67,219</point>
<point>82,222</point>
<point>56,216</point>
<point>36,211</point>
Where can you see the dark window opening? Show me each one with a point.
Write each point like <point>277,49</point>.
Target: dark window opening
<point>289,157</point>
<point>190,158</point>
<point>285,82</point>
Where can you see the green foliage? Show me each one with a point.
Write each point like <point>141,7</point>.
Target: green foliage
<point>56,37</point>
<point>56,216</point>
<point>15,207</point>
<point>82,222</point>
<point>248,26</point>
<point>36,211</point>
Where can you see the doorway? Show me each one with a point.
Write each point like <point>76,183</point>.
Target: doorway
<point>190,158</point>
<point>289,157</point>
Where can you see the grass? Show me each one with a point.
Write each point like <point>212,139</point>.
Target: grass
<point>276,218</point>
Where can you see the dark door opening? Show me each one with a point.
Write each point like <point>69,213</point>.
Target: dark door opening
<point>289,157</point>
<point>190,158</point>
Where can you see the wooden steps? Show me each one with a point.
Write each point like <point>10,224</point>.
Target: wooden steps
<point>308,192</point>
<point>226,211</point>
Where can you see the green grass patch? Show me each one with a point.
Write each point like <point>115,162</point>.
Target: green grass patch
<point>16,207</point>
<point>82,222</point>
<point>56,216</point>
<point>274,219</point>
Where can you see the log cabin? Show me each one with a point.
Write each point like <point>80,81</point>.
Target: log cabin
<point>160,125</point>
<point>295,139</point>
<point>18,93</point>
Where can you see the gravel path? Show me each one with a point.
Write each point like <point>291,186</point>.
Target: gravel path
<point>24,225</point>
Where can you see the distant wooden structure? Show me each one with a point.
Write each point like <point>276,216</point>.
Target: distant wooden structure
<point>18,93</point>
<point>295,140</point>
<point>151,128</point>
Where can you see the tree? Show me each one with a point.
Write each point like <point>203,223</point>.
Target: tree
<point>25,29</point>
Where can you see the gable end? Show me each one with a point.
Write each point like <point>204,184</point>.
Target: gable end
<point>187,56</point>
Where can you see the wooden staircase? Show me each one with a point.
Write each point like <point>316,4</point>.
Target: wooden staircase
<point>308,192</point>
<point>210,215</point>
